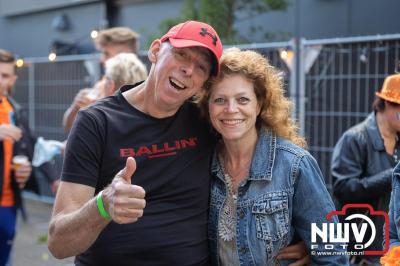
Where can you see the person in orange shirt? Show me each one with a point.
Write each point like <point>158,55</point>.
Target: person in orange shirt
<point>11,135</point>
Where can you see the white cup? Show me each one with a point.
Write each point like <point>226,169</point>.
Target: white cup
<point>93,94</point>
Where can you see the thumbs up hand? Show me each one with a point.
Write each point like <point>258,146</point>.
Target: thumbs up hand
<point>123,201</point>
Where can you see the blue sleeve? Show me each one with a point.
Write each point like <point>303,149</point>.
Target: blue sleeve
<point>394,209</point>
<point>311,203</point>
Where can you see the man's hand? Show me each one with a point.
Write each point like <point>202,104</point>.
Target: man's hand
<point>298,252</point>
<point>84,98</point>
<point>123,201</point>
<point>22,174</point>
<point>10,132</point>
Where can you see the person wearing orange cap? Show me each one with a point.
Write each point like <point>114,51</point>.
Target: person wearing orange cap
<point>364,157</point>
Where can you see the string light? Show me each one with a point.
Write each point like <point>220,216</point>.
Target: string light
<point>52,56</point>
<point>19,63</point>
<point>284,54</point>
<point>94,34</point>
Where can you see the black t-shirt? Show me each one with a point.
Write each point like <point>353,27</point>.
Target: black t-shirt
<point>172,156</point>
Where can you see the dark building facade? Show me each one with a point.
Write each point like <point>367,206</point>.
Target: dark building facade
<point>31,28</point>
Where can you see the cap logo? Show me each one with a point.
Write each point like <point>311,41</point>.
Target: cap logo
<point>204,32</point>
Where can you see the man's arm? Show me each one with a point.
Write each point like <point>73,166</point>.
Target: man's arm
<point>81,100</point>
<point>69,117</point>
<point>297,252</point>
<point>76,222</point>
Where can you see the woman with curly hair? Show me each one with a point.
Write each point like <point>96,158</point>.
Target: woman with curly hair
<point>266,189</point>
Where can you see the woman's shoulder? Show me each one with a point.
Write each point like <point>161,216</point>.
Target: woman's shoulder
<point>287,146</point>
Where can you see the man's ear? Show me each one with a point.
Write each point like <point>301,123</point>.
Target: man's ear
<point>154,49</point>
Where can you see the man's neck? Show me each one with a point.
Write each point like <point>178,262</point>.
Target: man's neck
<point>384,126</point>
<point>142,98</point>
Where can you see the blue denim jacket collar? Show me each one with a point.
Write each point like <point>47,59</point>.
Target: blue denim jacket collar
<point>261,166</point>
<point>373,132</point>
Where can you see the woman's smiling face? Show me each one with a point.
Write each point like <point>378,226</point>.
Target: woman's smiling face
<point>233,107</point>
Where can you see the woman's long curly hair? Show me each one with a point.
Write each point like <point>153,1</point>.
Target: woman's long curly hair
<point>268,86</point>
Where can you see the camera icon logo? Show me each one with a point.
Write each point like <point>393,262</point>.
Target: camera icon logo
<point>357,231</point>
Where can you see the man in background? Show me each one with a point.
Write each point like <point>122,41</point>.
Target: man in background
<point>364,157</point>
<point>109,42</point>
<point>15,139</point>
<point>113,41</point>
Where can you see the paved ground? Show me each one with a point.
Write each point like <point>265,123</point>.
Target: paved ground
<point>30,247</point>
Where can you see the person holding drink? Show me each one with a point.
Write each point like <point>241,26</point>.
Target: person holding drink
<point>16,152</point>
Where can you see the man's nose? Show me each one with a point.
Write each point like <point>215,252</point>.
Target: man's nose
<point>188,68</point>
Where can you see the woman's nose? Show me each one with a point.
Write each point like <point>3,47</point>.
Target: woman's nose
<point>231,107</point>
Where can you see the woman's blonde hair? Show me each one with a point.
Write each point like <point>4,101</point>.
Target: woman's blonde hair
<point>125,68</point>
<point>268,86</point>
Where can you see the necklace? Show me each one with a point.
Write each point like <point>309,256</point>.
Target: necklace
<point>227,219</point>
<point>239,176</point>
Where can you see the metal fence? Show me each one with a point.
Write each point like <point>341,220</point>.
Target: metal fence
<point>46,89</point>
<point>332,86</point>
<point>340,87</point>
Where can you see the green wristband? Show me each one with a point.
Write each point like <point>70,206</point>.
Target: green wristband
<point>100,206</point>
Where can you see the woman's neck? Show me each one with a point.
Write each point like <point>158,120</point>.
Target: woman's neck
<point>237,157</point>
<point>239,150</point>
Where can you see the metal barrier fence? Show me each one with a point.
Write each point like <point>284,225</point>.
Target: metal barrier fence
<point>340,87</point>
<point>333,86</point>
<point>46,89</point>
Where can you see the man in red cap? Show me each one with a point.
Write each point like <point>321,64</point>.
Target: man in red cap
<point>364,157</point>
<point>152,132</point>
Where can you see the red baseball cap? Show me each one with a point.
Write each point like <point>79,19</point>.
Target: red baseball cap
<point>196,34</point>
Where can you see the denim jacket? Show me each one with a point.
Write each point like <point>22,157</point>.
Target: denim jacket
<point>394,209</point>
<point>283,195</point>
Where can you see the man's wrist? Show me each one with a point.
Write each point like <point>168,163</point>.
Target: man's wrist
<point>75,108</point>
<point>100,206</point>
